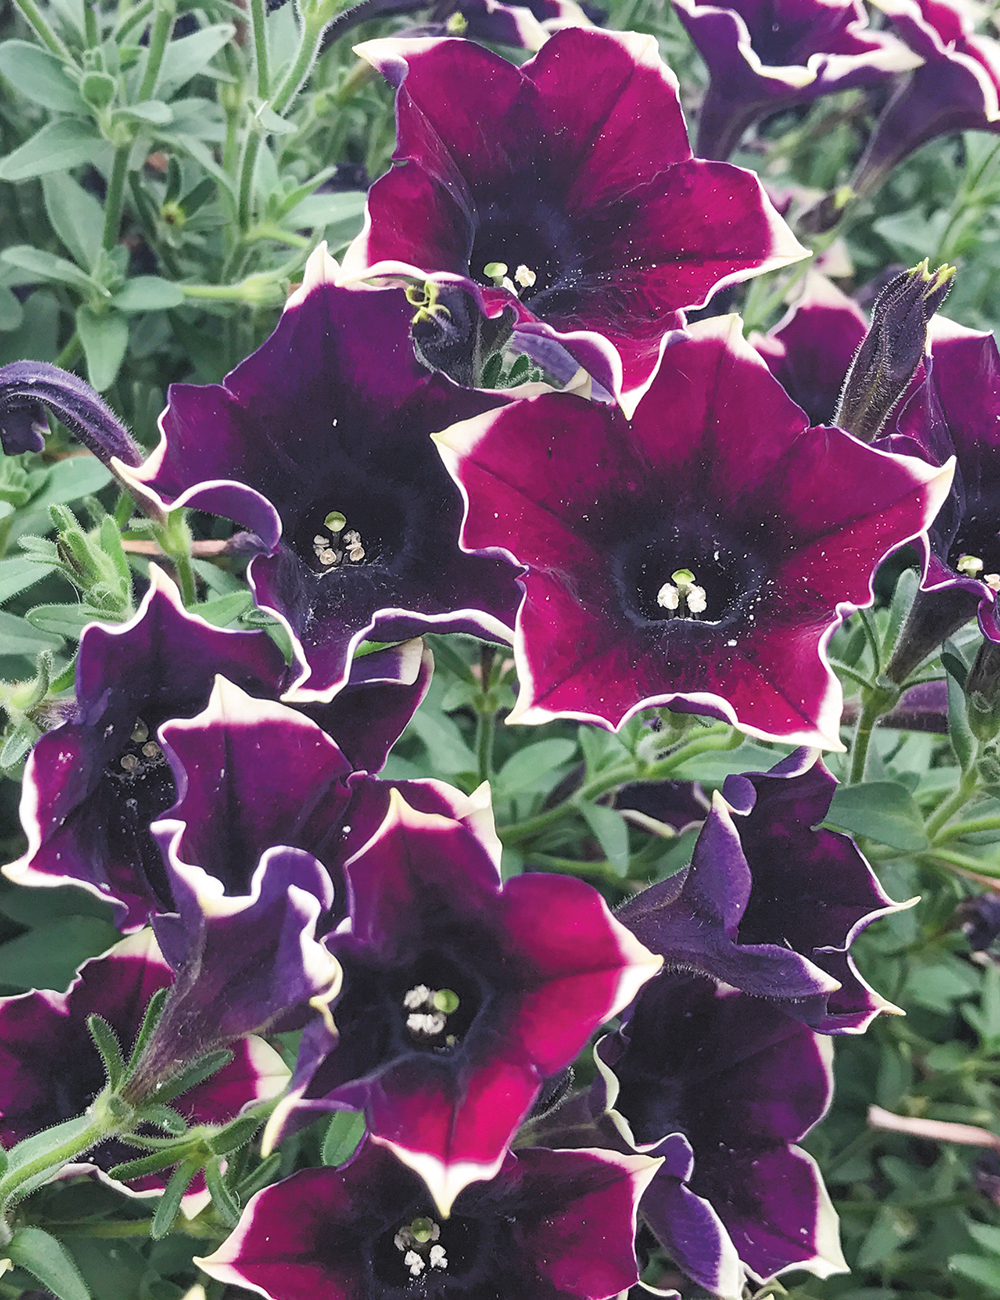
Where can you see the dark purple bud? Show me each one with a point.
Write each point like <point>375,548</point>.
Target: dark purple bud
<point>892,349</point>
<point>27,387</point>
<point>935,616</point>
<point>979,920</point>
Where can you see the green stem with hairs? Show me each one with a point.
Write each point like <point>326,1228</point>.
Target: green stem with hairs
<point>946,810</point>
<point>115,201</point>
<point>42,29</point>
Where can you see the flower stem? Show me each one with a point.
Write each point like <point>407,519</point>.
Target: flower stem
<point>163,25</point>
<point>972,827</point>
<point>115,200</point>
<point>257,14</point>
<point>953,803</point>
<point>33,16</point>
<point>79,1136</point>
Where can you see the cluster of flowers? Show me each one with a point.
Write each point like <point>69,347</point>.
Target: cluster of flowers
<point>668,530</point>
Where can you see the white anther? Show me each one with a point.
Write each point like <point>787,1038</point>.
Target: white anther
<point>697,601</point>
<point>668,597</point>
<point>992,580</point>
<point>524,276</point>
<point>352,537</point>
<point>129,762</point>
<point>151,749</point>
<point>320,541</point>
<point>326,558</point>
<point>426,1023</point>
<point>356,554</point>
<point>416,997</point>
<point>414,1263</point>
<point>437,1257</point>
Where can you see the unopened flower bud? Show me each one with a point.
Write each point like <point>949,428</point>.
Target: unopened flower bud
<point>933,618</point>
<point>982,691</point>
<point>892,349</point>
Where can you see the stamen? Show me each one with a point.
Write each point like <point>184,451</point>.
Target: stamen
<point>437,1257</point>
<point>129,762</point>
<point>416,997</point>
<point>668,597</point>
<point>414,1263</point>
<point>326,551</point>
<point>524,276</point>
<point>429,1011</point>
<point>992,581</point>
<point>424,1024</point>
<point>682,593</point>
<point>416,1243</point>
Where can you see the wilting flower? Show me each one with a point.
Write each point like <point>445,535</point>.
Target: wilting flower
<point>810,351</point>
<point>564,191</point>
<point>953,412</point>
<point>94,783</point>
<point>318,444</point>
<point>722,1085</point>
<point>956,89</point>
<point>764,56</point>
<point>28,388</point>
<point>460,997</point>
<point>50,1069</point>
<point>772,900</point>
<point>551,1224</point>
<point>700,555</point>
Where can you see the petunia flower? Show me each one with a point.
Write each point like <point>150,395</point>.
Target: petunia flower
<point>564,191</point>
<point>721,1086</point>
<point>957,88</point>
<point>318,444</point>
<point>525,26</point>
<point>460,997</point>
<point>94,783</point>
<point>50,1069</point>
<point>811,349</point>
<point>952,412</point>
<point>764,56</point>
<point>698,556</point>
<point>552,1225</point>
<point>772,900</point>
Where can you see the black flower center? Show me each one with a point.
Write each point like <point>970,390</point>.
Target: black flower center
<point>688,569</point>
<point>531,240</point>
<point>430,1257</point>
<point>438,1005</point>
<point>975,550</point>
<point>367,530</point>
<point>138,787</point>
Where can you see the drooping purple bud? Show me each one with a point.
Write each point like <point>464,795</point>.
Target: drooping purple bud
<point>28,387</point>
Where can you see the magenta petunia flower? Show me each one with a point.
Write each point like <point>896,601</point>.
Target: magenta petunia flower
<point>318,444</point>
<point>699,556</point>
<point>552,1225</point>
<point>564,191</point>
<point>767,55</point>
<point>460,997</point>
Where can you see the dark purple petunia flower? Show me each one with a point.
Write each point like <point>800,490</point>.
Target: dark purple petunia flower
<point>952,411</point>
<point>701,554</point>
<point>722,1085</point>
<point>956,89</point>
<point>564,191</point>
<point>460,997</point>
<point>552,1225</point>
<point>318,444</point>
<point>772,901</point>
<point>51,1071</point>
<point>93,784</point>
<point>525,26</point>
<point>767,55</point>
<point>810,351</point>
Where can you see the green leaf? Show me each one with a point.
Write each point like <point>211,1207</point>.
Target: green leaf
<point>76,216</point>
<point>883,810</point>
<point>66,620</point>
<point>57,147</point>
<point>977,1268</point>
<point>985,1235</point>
<point>11,311</point>
<point>106,1042</point>
<point>170,1202</point>
<point>270,121</point>
<point>19,574</point>
<point>47,267</point>
<point>18,637</point>
<point>48,958</point>
<point>153,111</point>
<point>148,293</point>
<point>963,742</point>
<point>325,210</point>
<point>71,479</point>
<point>612,834</point>
<point>39,76</point>
<point>186,57</point>
<point>49,1261</point>
<point>524,768</point>
<point>343,1133</point>
<point>444,742</point>
<point>104,338</point>
<point>224,610</point>
<point>226,1205</point>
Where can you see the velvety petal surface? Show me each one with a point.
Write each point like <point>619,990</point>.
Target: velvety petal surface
<point>93,784</point>
<point>575,167</point>
<point>782,527</point>
<point>553,1225</point>
<point>330,417</point>
<point>528,971</point>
